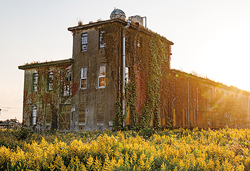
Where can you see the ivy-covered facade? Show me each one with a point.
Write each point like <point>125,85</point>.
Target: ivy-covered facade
<point>88,91</point>
<point>147,62</point>
<point>47,95</point>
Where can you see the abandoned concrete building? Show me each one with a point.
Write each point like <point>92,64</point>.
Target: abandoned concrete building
<point>191,97</point>
<point>119,74</point>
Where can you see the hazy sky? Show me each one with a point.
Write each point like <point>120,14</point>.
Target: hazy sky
<point>211,37</point>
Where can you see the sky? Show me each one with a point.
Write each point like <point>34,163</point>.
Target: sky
<point>211,37</point>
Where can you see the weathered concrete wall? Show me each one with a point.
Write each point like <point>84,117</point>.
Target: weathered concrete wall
<point>190,97</point>
<point>47,101</point>
<point>94,106</point>
<point>27,102</point>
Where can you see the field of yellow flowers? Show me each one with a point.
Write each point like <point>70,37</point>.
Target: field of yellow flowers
<point>179,149</point>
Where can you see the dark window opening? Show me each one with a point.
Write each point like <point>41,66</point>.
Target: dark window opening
<point>35,81</point>
<point>83,81</point>
<point>34,115</point>
<point>50,81</point>
<point>84,42</point>
<point>101,43</point>
<point>66,83</point>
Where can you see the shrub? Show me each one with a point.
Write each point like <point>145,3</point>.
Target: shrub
<point>22,133</point>
<point>146,132</point>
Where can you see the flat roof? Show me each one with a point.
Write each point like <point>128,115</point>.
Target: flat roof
<point>36,65</point>
<point>208,81</point>
<point>132,25</point>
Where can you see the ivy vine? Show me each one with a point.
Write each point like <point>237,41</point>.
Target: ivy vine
<point>158,55</point>
<point>118,119</point>
<point>147,54</point>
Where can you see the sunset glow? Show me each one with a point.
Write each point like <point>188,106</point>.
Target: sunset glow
<point>210,37</point>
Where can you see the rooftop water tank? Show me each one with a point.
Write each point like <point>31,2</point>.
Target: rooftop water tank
<point>117,13</point>
<point>136,19</point>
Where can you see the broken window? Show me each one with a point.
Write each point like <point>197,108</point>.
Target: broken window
<point>50,81</point>
<point>35,81</point>
<point>83,81</point>
<point>66,82</point>
<point>84,42</point>
<point>127,80</point>
<point>101,76</point>
<point>102,43</point>
<point>34,115</point>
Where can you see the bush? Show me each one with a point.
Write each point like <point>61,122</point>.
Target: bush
<point>146,132</point>
<point>51,132</point>
<point>22,133</point>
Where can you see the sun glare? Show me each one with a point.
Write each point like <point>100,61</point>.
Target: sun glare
<point>228,58</point>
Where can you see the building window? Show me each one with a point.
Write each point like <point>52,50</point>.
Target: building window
<point>101,76</point>
<point>35,81</point>
<point>50,81</point>
<point>101,43</point>
<point>84,42</point>
<point>83,81</point>
<point>66,83</point>
<point>34,115</point>
<point>127,75</point>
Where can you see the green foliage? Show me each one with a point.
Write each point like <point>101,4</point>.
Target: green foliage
<point>145,117</point>
<point>148,52</point>
<point>111,38</point>
<point>169,120</point>
<point>131,95</point>
<point>51,132</point>
<point>22,133</point>
<point>118,119</point>
<point>158,55</point>
<point>146,133</point>
<point>47,101</point>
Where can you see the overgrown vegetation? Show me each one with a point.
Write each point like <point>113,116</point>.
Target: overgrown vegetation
<point>119,118</point>
<point>179,149</point>
<point>146,133</point>
<point>53,87</point>
<point>144,51</point>
<point>22,133</point>
<point>158,56</point>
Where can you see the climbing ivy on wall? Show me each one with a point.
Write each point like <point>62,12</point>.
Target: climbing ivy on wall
<point>111,38</point>
<point>118,119</point>
<point>44,98</point>
<point>158,55</point>
<point>147,55</point>
<point>155,92</point>
<point>131,95</point>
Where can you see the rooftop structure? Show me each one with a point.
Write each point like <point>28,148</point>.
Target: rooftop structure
<point>117,13</point>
